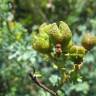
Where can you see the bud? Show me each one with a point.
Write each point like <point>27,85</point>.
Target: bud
<point>77,53</point>
<point>88,41</point>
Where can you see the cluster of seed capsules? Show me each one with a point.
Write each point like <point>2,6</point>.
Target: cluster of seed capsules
<point>59,38</point>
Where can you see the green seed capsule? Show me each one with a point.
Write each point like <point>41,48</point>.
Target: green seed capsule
<point>88,41</point>
<point>41,43</point>
<point>54,33</point>
<point>77,53</point>
<point>65,32</point>
<point>45,28</point>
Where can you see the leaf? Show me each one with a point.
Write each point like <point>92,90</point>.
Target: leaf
<point>54,80</point>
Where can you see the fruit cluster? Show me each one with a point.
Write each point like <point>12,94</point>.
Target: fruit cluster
<point>56,41</point>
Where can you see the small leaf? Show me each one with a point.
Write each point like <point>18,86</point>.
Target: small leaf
<point>54,79</point>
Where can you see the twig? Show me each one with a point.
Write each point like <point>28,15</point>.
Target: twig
<point>34,78</point>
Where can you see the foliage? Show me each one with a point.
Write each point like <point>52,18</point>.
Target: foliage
<point>19,23</point>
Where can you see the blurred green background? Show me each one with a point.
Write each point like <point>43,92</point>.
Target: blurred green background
<point>18,19</point>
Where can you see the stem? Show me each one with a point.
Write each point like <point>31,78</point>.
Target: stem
<point>34,78</point>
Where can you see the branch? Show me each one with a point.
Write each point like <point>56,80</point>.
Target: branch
<point>34,78</point>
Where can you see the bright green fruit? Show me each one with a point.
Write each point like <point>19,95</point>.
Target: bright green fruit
<point>88,41</point>
<point>77,53</point>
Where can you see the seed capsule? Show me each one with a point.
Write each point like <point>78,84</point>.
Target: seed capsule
<point>88,41</point>
<point>41,43</point>
<point>77,53</point>
<point>65,33</point>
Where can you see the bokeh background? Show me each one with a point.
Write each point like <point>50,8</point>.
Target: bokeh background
<point>18,19</point>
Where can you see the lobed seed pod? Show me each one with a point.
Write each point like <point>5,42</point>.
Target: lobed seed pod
<point>65,32</point>
<point>77,53</point>
<point>54,33</point>
<point>41,43</point>
<point>45,27</point>
<point>88,41</point>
